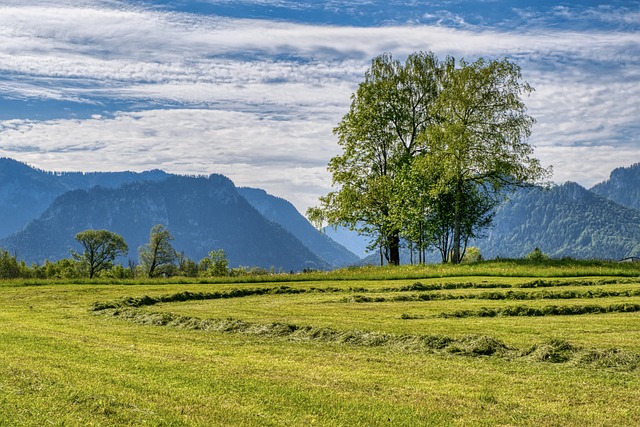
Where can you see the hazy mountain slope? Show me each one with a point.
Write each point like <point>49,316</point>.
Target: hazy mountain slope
<point>349,239</point>
<point>25,193</point>
<point>567,220</point>
<point>623,186</point>
<point>202,214</point>
<point>286,215</point>
<point>564,221</point>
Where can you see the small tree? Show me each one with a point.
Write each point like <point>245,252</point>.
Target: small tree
<point>537,255</point>
<point>158,254</point>
<point>186,266</point>
<point>215,265</point>
<point>101,247</point>
<point>9,266</point>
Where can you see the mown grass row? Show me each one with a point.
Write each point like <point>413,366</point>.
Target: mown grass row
<point>538,283</point>
<point>554,351</point>
<point>509,295</point>
<point>147,300</point>
<point>549,310</point>
<point>417,286</point>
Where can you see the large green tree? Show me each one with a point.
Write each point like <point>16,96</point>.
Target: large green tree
<point>429,147</point>
<point>158,254</point>
<point>101,247</point>
<point>477,148</point>
<point>379,137</point>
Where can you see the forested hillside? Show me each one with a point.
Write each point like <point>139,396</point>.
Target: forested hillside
<point>285,214</point>
<point>25,192</point>
<point>623,186</point>
<point>257,229</point>
<point>567,220</point>
<point>203,214</point>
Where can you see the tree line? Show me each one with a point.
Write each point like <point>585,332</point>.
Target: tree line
<point>101,248</point>
<point>429,148</point>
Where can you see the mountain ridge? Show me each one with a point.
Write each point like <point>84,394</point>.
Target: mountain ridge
<point>203,214</point>
<point>622,186</point>
<point>26,192</point>
<point>566,220</point>
<point>282,212</point>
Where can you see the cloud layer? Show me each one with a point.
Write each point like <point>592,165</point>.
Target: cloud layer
<point>142,87</point>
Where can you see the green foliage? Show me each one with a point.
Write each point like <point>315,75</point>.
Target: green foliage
<point>157,258</point>
<point>472,254</point>
<point>10,268</point>
<point>215,265</point>
<point>379,138</point>
<point>186,266</point>
<point>429,148</point>
<point>101,247</point>
<point>250,271</point>
<point>537,255</point>
<point>118,272</point>
<point>65,269</point>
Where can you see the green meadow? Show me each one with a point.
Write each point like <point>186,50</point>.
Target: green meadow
<point>493,343</point>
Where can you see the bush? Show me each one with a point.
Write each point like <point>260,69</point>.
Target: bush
<point>537,256</point>
<point>9,266</point>
<point>471,255</point>
<point>215,265</point>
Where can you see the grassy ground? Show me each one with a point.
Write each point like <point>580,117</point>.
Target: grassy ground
<point>341,362</point>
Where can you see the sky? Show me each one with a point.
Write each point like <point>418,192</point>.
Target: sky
<point>252,89</point>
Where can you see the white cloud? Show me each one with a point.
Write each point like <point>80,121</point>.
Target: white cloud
<point>261,97</point>
<point>587,165</point>
<point>288,158</point>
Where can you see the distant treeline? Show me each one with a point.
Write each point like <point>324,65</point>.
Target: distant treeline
<point>68,268</point>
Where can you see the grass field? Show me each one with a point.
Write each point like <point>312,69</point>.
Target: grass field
<point>489,344</point>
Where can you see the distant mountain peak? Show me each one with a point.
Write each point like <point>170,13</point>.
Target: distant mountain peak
<point>202,213</point>
<point>623,186</point>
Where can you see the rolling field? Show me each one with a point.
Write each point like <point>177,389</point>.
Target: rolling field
<point>546,345</point>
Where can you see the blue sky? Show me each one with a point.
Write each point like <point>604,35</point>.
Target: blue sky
<point>253,88</point>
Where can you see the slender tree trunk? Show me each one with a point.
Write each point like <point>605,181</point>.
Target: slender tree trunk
<point>394,249</point>
<point>411,252</point>
<point>457,225</point>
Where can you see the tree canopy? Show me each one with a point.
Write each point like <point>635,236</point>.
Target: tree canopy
<point>158,253</point>
<point>429,146</point>
<point>101,247</point>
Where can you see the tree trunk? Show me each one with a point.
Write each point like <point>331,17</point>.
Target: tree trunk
<point>457,225</point>
<point>394,249</point>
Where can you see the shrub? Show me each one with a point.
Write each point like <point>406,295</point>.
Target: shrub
<point>471,255</point>
<point>215,265</point>
<point>537,255</point>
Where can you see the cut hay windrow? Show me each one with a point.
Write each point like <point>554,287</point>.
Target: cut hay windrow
<point>552,351</point>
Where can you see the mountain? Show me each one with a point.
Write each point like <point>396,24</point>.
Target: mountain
<point>564,221</point>
<point>349,239</point>
<point>287,216</point>
<point>202,214</point>
<point>623,186</point>
<point>25,192</point>
<point>567,220</point>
